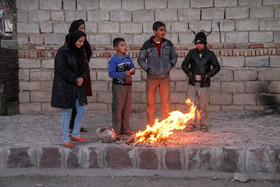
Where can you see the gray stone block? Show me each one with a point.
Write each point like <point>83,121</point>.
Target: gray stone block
<point>247,25</point>
<point>57,16</point>
<point>189,14</point>
<point>131,28</point>
<point>128,38</point>
<point>48,63</point>
<point>87,4</point>
<point>24,97</point>
<point>224,75</point>
<point>215,87</point>
<point>249,3</point>
<point>233,61</point>
<point>91,27</point>
<point>36,39</point>
<point>99,63</point>
<point>275,61</point>
<point>27,27</point>
<point>181,86</point>
<point>140,39</point>
<point>244,99</point>
<point>220,99</point>
<point>40,75</point>
<point>237,37</point>
<point>271,2</point>
<point>245,75</point>
<point>232,87</point>
<point>46,27</point>
<point>61,27</point>
<point>274,87</point>
<point>277,12</point>
<point>27,5</point>
<point>29,63</point>
<point>214,37</point>
<point>40,97</point>
<point>148,27</point>
<point>178,75</point>
<point>200,25</point>
<point>29,86</point>
<point>261,12</point>
<point>260,160</point>
<point>139,86</point>
<point>166,15</point>
<point>109,4</point>
<point>108,27</point>
<point>22,16</point>
<point>179,26</point>
<point>143,15</point>
<point>256,87</point>
<point>276,37</point>
<point>98,15</point>
<point>225,3</point>
<point>104,97</point>
<point>51,5</point>
<point>155,4</point>
<point>73,15</point>
<point>262,61</point>
<point>224,25</point>
<point>269,75</point>
<point>133,4</point>
<point>69,5</point>
<point>103,76</point>
<point>178,4</point>
<point>54,38</point>
<point>213,14</point>
<point>22,39</point>
<point>121,15</point>
<point>201,3</point>
<point>270,25</point>
<point>29,107</point>
<point>23,74</point>
<point>237,13</point>
<point>101,39</point>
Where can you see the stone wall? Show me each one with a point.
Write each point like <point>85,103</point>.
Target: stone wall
<point>247,46</point>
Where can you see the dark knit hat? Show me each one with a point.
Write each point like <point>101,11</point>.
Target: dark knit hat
<point>200,38</point>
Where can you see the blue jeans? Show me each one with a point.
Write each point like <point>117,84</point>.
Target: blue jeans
<point>66,117</point>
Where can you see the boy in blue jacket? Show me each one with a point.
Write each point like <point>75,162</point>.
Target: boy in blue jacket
<point>121,68</point>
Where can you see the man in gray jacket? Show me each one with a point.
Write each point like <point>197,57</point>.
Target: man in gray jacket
<point>157,57</point>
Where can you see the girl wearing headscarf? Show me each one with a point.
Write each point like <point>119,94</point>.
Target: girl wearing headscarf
<point>70,73</point>
<point>80,25</point>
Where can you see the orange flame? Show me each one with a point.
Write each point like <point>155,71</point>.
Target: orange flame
<point>161,130</point>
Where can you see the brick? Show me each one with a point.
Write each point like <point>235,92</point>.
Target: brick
<point>27,5</point>
<point>271,2</point>
<point>223,76</point>
<point>118,157</point>
<point>269,75</point>
<point>22,16</point>
<point>100,86</point>
<point>40,75</point>
<point>178,75</point>
<point>108,27</point>
<point>29,63</point>
<point>247,25</point>
<point>19,158</point>
<point>270,25</point>
<point>23,74</point>
<point>262,61</point>
<point>49,63</point>
<point>47,85</point>
<point>54,38</point>
<point>41,97</point>
<point>249,3</point>
<point>99,63</point>
<point>50,158</point>
<point>36,39</point>
<point>256,87</point>
<point>22,39</point>
<point>29,108</point>
<point>268,99</point>
<point>57,16</point>
<point>24,97</point>
<point>167,15</point>
<point>46,27</point>
<point>87,4</point>
<point>121,15</point>
<point>39,15</point>
<point>143,15</point>
<point>148,158</point>
<point>201,3</point>
<point>232,87</point>
<point>138,86</point>
<point>276,37</point>
<point>109,4</point>
<point>27,27</point>
<point>91,27</point>
<point>225,3</point>
<point>97,39</point>
<point>104,97</point>
<point>133,4</point>
<point>131,28</point>
<point>98,15</point>
<point>277,12</point>
<point>181,86</point>
<point>261,12</point>
<point>199,159</point>
<point>178,4</point>
<point>172,159</point>
<point>51,5</point>
<point>188,14</point>
<point>221,99</point>
<point>237,37</point>
<point>29,86</point>
<point>73,15</point>
<point>233,61</point>
<point>60,27</point>
<point>148,27</point>
<point>213,14</point>
<point>69,5</point>
<point>200,25</point>
<point>237,13</point>
<point>244,99</point>
<point>245,75</point>
<point>224,25</point>
<point>215,38</point>
<point>179,26</point>
<point>275,61</point>
<point>260,160</point>
<point>73,160</point>
<point>228,160</point>
<point>155,4</point>
<point>140,39</point>
<point>255,46</point>
<point>178,97</point>
<point>215,87</point>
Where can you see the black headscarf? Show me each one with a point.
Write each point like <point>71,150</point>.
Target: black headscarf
<point>75,26</point>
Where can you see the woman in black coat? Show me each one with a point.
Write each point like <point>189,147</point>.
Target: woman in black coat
<point>69,85</point>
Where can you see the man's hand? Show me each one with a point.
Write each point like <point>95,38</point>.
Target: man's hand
<point>80,81</point>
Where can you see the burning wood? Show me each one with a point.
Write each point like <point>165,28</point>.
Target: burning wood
<point>160,131</point>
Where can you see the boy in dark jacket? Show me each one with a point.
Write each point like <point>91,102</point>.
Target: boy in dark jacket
<point>121,68</point>
<point>200,65</point>
<point>157,57</point>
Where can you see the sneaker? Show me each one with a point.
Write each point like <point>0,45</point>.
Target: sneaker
<point>79,139</point>
<point>127,132</point>
<point>68,144</point>
<point>203,128</point>
<point>190,127</point>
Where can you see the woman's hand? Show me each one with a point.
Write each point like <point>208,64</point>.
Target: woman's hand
<point>80,81</point>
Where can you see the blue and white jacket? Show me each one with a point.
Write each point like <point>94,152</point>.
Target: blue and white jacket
<point>117,66</point>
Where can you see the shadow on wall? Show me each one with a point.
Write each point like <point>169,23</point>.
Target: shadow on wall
<point>271,101</point>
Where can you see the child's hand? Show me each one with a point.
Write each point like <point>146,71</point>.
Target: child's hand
<point>127,73</point>
<point>133,71</point>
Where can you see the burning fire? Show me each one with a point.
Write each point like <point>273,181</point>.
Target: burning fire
<point>161,130</point>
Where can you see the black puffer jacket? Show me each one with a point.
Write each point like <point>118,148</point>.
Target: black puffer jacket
<point>65,89</point>
<point>193,64</point>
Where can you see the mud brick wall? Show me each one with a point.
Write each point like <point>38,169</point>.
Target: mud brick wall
<point>247,46</point>
<point>9,84</point>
